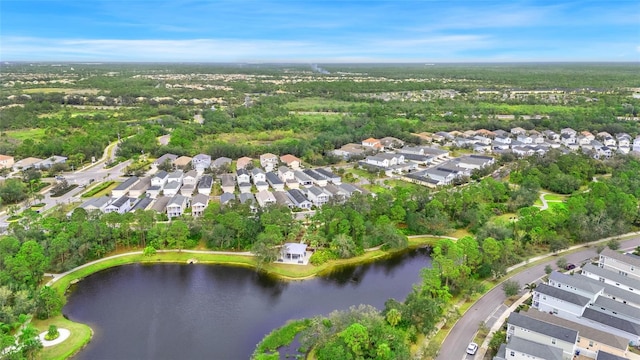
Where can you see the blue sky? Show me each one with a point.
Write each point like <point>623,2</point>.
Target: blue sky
<point>319,31</point>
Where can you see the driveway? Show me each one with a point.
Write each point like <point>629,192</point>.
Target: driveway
<point>488,307</point>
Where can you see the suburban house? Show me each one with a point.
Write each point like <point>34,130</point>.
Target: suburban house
<point>49,162</point>
<point>268,161</point>
<point>160,204</point>
<point>123,188</point>
<point>98,204</point>
<point>282,198</point>
<point>258,175</point>
<point>285,173</point>
<point>568,131</point>
<point>187,190</point>
<point>441,175</point>
<point>182,162</point>
<point>475,161</point>
<point>303,179</point>
<point>121,205</point>
<point>26,163</point>
<point>541,332</point>
<point>248,198</point>
<point>563,303</point>
<point>176,176</point>
<point>265,198</point>
<point>243,162</point>
<point>140,188</point>
<point>153,191</point>
<point>142,204</point>
<point>225,198</point>
<point>171,188</point>
<point>190,178</point>
<point>291,161</point>
<point>624,264</point>
<point>170,158</point>
<point>228,183</point>
<point>372,143</point>
<point>198,204</point>
<point>274,181</point>
<point>522,349</point>
<point>205,184</point>
<point>244,187</point>
<point>299,200</point>
<point>331,177</point>
<point>316,177</point>
<point>294,251</point>
<point>201,162</point>
<point>177,205</point>
<point>391,142</point>
<point>160,178</point>
<point>349,151</point>
<point>317,196</point>
<point>336,192</point>
<point>242,176</point>
<point>518,131</point>
<point>221,162</point>
<point>590,340</point>
<point>6,161</point>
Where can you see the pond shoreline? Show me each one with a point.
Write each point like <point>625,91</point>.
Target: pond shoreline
<point>62,282</point>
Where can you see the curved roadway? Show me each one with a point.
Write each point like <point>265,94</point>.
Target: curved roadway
<point>491,305</point>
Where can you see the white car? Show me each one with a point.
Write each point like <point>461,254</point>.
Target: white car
<point>472,348</point>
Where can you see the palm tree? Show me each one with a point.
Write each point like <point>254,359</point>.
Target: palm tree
<point>530,287</point>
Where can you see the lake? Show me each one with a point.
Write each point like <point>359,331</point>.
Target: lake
<point>175,311</point>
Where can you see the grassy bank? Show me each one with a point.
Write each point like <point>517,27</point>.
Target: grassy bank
<point>80,337</point>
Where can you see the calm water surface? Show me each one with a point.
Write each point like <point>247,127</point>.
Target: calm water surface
<point>218,312</point>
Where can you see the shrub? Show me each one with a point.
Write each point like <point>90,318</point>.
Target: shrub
<point>320,257</point>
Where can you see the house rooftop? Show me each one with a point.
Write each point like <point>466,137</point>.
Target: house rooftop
<point>200,199</point>
<point>562,294</point>
<point>160,204</point>
<point>602,355</point>
<point>613,321</point>
<point>584,331</point>
<point>126,184</point>
<point>326,173</point>
<point>205,182</point>
<point>541,327</point>
<point>577,281</point>
<point>142,204</point>
<point>273,179</point>
<point>617,307</point>
<point>297,196</point>
<point>177,200</point>
<point>182,161</point>
<point>532,348</point>
<point>226,197</point>
<point>161,174</point>
<point>625,258</point>
<point>612,275</point>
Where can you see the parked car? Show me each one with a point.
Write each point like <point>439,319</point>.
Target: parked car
<point>570,267</point>
<point>472,348</point>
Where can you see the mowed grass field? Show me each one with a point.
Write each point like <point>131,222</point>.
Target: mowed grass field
<point>21,135</point>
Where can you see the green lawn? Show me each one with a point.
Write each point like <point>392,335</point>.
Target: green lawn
<point>80,336</point>
<point>555,197</point>
<point>21,135</point>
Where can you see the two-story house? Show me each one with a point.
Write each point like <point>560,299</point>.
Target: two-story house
<point>228,183</point>
<point>291,161</point>
<point>199,203</point>
<point>205,184</point>
<point>268,161</point>
<point>274,181</point>
<point>177,205</point>
<point>201,162</point>
<point>541,332</point>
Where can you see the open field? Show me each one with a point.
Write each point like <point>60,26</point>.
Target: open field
<point>21,135</point>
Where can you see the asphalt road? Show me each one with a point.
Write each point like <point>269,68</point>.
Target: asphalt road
<point>491,304</point>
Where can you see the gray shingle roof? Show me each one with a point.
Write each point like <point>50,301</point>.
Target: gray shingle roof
<point>610,320</point>
<point>273,179</point>
<point>562,294</point>
<point>205,182</point>
<point>126,184</point>
<point>613,276</point>
<point>577,281</point>
<point>584,331</point>
<point>541,327</point>
<point>535,349</point>
<point>618,307</point>
<point>626,258</point>
<point>607,356</point>
<point>142,204</point>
